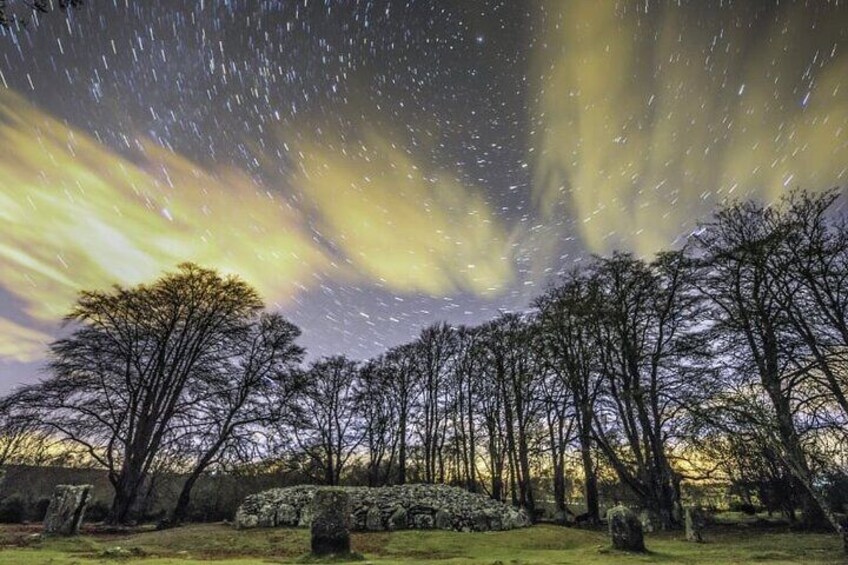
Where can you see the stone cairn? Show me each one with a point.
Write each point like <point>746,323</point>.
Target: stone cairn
<point>330,523</point>
<point>695,520</point>
<point>66,509</point>
<point>625,530</point>
<point>385,508</point>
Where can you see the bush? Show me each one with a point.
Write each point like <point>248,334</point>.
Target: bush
<point>12,510</point>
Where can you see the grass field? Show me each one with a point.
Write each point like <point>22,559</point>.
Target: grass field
<point>223,545</point>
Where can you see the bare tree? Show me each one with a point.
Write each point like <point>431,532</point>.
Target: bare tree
<point>330,428</point>
<point>403,391</point>
<point>434,351</point>
<point>227,403</point>
<point>567,315</point>
<point>646,313</point>
<point>754,330</point>
<point>380,419</point>
<point>517,372</point>
<point>120,378</point>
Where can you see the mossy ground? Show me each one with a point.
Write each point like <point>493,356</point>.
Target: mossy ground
<point>726,544</point>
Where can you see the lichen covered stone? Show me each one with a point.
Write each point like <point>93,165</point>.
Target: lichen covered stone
<point>66,510</point>
<point>625,530</point>
<point>330,522</point>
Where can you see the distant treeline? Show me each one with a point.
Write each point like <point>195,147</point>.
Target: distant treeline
<point>722,361</point>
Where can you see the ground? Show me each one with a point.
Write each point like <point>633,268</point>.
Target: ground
<point>222,545</point>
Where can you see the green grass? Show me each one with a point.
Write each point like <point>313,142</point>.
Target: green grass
<point>544,544</point>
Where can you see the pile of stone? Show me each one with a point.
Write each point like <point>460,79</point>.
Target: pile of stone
<point>418,507</point>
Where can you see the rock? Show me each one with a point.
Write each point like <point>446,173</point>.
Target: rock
<point>443,520</point>
<point>495,520</point>
<point>625,529</point>
<point>396,507</point>
<point>374,519</point>
<point>481,522</point>
<point>331,522</point>
<point>305,520</point>
<point>695,520</point>
<point>67,507</point>
<point>287,515</point>
<point>398,520</point>
<point>245,520</point>
<point>423,521</point>
<point>649,520</point>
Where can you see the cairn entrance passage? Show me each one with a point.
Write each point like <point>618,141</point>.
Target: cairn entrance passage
<point>414,507</point>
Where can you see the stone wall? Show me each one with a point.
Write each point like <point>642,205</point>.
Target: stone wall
<point>419,507</point>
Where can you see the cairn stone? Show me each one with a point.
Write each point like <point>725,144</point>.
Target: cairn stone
<point>423,521</point>
<point>66,509</point>
<point>443,520</point>
<point>625,529</point>
<point>286,516</point>
<point>398,520</point>
<point>695,521</point>
<point>331,522</point>
<point>374,519</point>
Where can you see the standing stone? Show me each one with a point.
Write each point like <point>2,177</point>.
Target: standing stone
<point>625,530</point>
<point>66,509</point>
<point>330,522</point>
<point>695,522</point>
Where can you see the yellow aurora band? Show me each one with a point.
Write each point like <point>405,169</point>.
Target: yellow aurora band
<point>74,215</point>
<point>645,119</point>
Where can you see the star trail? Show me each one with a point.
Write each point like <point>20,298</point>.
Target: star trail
<point>372,167</point>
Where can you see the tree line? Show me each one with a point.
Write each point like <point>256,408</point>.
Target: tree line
<point>721,360</point>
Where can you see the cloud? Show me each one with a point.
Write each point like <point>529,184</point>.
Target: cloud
<point>407,227</point>
<point>75,215</point>
<point>647,120</point>
<point>21,344</point>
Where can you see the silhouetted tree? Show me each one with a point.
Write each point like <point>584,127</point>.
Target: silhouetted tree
<point>330,429</point>
<point>120,378</point>
<point>228,402</point>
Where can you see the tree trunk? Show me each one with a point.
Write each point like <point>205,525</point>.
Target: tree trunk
<point>178,515</point>
<point>590,482</point>
<point>126,494</point>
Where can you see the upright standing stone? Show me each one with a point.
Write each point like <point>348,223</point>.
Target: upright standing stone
<point>66,509</point>
<point>695,522</point>
<point>330,522</point>
<point>625,529</point>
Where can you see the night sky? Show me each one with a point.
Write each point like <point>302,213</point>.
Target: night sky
<point>372,167</point>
